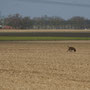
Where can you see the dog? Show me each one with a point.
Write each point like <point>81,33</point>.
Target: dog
<point>70,49</point>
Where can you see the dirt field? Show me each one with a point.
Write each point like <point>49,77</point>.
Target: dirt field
<point>44,65</point>
<point>44,30</point>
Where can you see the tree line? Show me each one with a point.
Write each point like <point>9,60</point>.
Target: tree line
<point>18,22</point>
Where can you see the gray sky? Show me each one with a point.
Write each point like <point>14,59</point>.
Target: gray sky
<point>35,8</point>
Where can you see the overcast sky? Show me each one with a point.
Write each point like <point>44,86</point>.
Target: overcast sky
<point>36,8</point>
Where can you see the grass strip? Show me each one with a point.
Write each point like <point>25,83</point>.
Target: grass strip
<point>8,38</point>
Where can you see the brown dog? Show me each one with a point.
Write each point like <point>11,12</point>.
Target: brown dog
<point>71,49</point>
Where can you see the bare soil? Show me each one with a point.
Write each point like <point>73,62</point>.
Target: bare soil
<point>44,65</point>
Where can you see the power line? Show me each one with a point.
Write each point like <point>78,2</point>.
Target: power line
<point>59,3</point>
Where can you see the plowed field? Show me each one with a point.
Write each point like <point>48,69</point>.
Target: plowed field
<point>44,65</point>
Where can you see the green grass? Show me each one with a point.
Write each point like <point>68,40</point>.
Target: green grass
<point>6,38</point>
